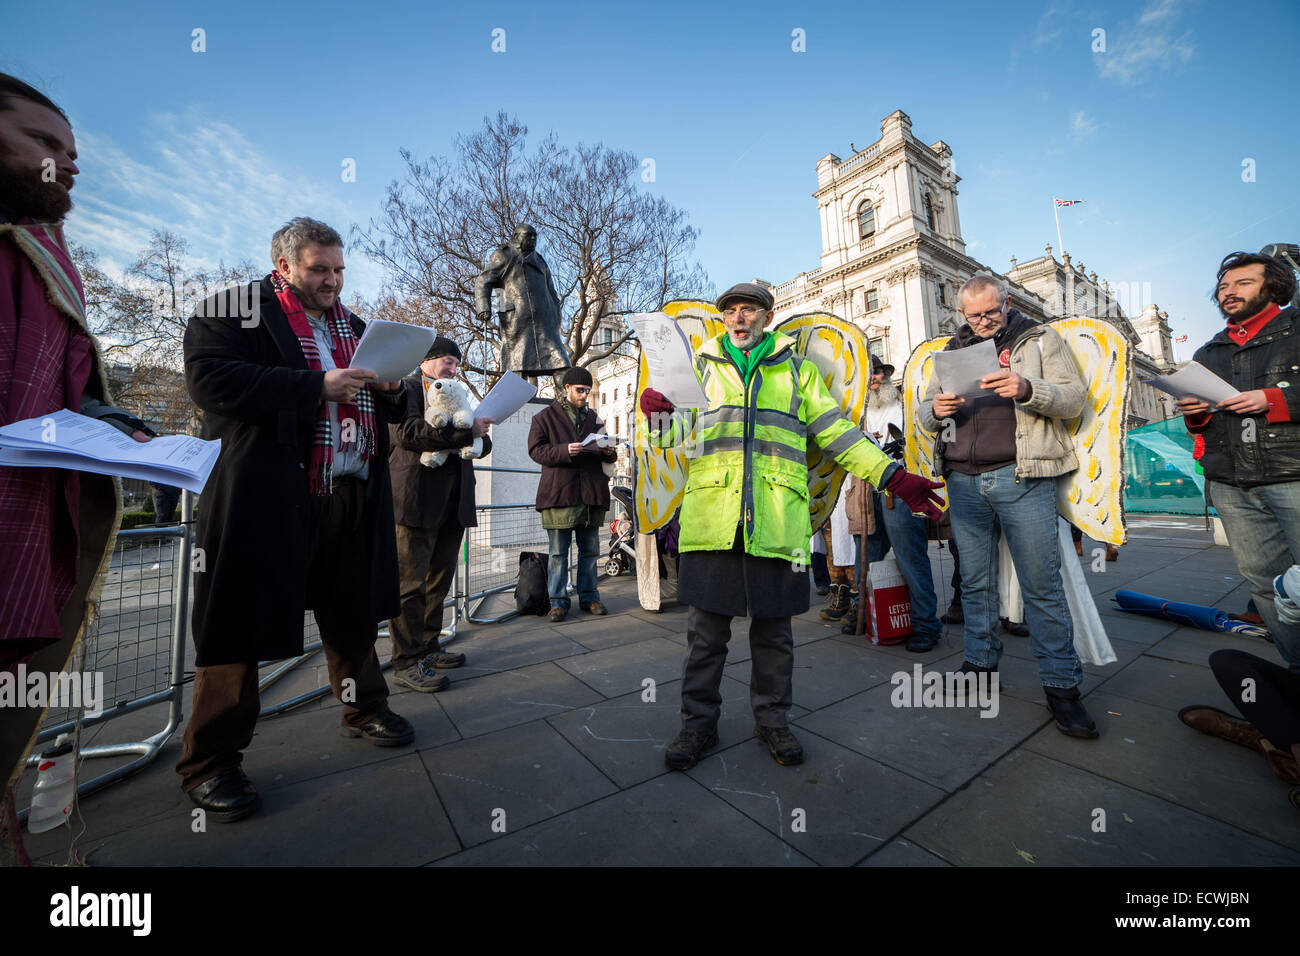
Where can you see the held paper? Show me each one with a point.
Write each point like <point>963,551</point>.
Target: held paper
<point>507,396</point>
<point>669,360</point>
<point>1196,381</point>
<point>960,371</point>
<point>392,350</point>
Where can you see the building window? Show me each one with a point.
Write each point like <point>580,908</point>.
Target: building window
<point>602,398</point>
<point>873,300</point>
<point>866,220</point>
<point>877,348</point>
<point>608,339</point>
<point>929,211</point>
<point>943,293</point>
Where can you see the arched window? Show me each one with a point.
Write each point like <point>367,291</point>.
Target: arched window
<point>929,211</point>
<point>873,300</point>
<point>866,220</point>
<point>616,395</point>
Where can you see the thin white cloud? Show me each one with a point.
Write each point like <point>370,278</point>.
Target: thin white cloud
<point>203,180</point>
<point>1152,42</point>
<point>1081,127</point>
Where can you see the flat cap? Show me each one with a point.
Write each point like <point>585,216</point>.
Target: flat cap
<point>746,290</point>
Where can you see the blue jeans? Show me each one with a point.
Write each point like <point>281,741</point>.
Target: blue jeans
<point>1263,528</point>
<point>911,545</point>
<point>557,569</point>
<point>1026,509</point>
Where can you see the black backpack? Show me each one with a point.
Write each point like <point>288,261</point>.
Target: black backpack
<point>531,594</point>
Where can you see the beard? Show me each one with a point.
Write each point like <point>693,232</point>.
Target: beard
<point>1252,307</point>
<point>883,397</point>
<point>23,194</point>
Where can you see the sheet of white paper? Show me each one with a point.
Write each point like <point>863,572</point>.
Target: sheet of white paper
<point>506,397</point>
<point>64,439</point>
<point>392,350</point>
<point>604,440</point>
<point>668,357</point>
<point>1196,380</point>
<point>960,371</point>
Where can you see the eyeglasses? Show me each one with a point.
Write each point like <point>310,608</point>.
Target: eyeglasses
<point>748,311</point>
<point>984,316</point>
<point>581,389</point>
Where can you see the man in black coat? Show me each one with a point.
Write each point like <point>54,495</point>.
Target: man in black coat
<point>1249,445</point>
<point>297,512</point>
<point>433,507</point>
<point>573,493</point>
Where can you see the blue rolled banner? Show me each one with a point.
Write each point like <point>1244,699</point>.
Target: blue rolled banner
<point>1191,615</point>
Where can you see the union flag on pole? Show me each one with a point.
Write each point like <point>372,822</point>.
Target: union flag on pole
<point>1068,202</point>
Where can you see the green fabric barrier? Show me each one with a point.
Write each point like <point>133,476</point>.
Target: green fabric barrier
<point>1160,474</point>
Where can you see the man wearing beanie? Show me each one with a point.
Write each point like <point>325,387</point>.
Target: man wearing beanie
<point>433,507</point>
<point>573,493</point>
<point>745,520</point>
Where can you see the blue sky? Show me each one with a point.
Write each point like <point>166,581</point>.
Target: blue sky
<point>223,146</point>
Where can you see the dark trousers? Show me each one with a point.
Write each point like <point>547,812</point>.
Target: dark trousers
<point>1275,710</point>
<point>771,642</point>
<point>426,562</point>
<point>226,701</point>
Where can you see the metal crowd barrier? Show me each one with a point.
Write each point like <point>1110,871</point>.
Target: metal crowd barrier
<point>136,640</point>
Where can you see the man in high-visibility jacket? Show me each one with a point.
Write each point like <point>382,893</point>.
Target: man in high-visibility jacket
<point>745,520</point>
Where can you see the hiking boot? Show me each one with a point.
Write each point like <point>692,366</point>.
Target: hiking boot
<point>595,607</point>
<point>838,604</point>
<point>688,747</point>
<point>781,744</point>
<point>1071,717</point>
<point>445,660</point>
<point>422,677</point>
<point>1112,553</point>
<point>954,614</point>
<point>557,614</point>
<point>849,622</point>
<point>1217,723</point>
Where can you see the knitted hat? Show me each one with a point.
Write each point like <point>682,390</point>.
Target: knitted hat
<point>443,346</point>
<point>577,376</point>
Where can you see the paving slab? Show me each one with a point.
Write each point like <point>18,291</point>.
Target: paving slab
<point>508,647</point>
<point>620,670</point>
<point>512,777</point>
<point>610,631</point>
<point>828,807</point>
<point>1151,750</point>
<point>668,821</point>
<point>1029,810</point>
<point>626,737</point>
<point>902,852</point>
<point>321,822</point>
<point>944,746</point>
<point>1194,646</point>
<point>512,697</point>
<point>1168,684</point>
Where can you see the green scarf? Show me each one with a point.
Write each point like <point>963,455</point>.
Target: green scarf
<point>749,361</point>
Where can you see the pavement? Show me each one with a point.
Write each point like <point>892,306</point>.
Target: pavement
<point>548,750</point>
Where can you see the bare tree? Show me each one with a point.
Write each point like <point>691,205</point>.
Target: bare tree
<point>611,246</point>
<point>140,322</point>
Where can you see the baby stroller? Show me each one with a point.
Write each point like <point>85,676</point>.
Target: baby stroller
<point>622,531</point>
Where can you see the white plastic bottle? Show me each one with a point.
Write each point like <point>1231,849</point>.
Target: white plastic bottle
<point>56,786</point>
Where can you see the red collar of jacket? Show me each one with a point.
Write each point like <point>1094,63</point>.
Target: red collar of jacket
<point>1243,332</point>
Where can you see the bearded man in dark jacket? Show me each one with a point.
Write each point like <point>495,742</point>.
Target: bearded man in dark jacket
<point>297,513</point>
<point>1249,446</point>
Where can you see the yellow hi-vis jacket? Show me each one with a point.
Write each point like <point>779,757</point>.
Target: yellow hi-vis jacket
<point>749,465</point>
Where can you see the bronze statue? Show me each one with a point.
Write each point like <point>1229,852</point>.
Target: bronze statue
<point>530,308</point>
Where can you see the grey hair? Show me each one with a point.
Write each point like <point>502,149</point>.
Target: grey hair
<point>983,280</point>
<point>296,233</point>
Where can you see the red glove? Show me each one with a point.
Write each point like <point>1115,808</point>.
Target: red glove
<point>652,402</point>
<point>917,493</point>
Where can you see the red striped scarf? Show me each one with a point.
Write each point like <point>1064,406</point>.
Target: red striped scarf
<point>361,412</point>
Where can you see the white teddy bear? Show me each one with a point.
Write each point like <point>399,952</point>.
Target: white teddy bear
<point>448,400</point>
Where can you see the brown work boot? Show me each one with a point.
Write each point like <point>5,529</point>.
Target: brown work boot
<point>1216,723</point>
<point>1112,553</point>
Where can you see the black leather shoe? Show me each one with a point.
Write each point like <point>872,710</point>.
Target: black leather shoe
<point>227,797</point>
<point>954,614</point>
<point>1014,628</point>
<point>384,729</point>
<point>921,643</point>
<point>1071,717</point>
